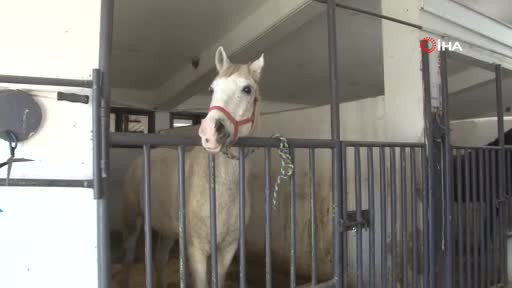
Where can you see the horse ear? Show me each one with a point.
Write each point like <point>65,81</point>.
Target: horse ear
<point>257,66</point>
<point>221,59</point>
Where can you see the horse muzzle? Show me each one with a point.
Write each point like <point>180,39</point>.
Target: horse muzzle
<point>214,134</point>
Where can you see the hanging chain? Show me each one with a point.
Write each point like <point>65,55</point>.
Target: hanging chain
<point>284,156</point>
<point>286,166</point>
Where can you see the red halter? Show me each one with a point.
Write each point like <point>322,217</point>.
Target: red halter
<point>236,123</point>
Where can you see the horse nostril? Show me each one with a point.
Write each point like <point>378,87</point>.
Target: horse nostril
<point>219,127</point>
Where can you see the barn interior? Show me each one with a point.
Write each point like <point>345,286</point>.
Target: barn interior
<point>162,64</point>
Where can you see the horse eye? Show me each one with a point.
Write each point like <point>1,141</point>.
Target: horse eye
<point>210,89</point>
<point>247,89</point>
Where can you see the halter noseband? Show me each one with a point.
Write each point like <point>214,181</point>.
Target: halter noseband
<point>236,123</point>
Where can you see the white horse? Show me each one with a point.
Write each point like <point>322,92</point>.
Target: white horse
<point>234,112</point>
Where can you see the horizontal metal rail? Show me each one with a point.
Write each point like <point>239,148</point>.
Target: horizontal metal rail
<point>121,139</point>
<point>155,140</point>
<point>72,183</point>
<point>477,147</point>
<point>14,79</point>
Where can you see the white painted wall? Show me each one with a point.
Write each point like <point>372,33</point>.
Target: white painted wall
<point>49,234</point>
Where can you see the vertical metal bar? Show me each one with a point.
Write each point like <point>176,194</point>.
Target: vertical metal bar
<point>96,130</point>
<point>488,208</point>
<point>447,172</point>
<point>241,216</point>
<point>213,219</point>
<point>344,212</point>
<point>105,52</point>
<point>383,220</point>
<point>474,219</point>
<point>182,216</point>
<point>371,208</point>
<point>483,269</point>
<point>335,135</point>
<point>359,231</point>
<point>403,228</point>
<point>460,227</point>
<point>467,208</point>
<point>268,218</point>
<point>501,172</point>
<point>293,277</point>
<point>147,217</point>
<point>393,199</point>
<point>425,208</point>
<point>414,220</point>
<point>312,209</point>
<point>492,207</point>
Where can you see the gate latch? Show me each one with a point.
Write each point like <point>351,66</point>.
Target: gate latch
<point>351,222</point>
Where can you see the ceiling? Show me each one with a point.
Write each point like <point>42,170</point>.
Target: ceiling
<point>498,9</point>
<point>154,38</point>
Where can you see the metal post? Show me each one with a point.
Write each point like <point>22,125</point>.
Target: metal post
<point>359,231</point>
<point>241,216</point>
<point>312,209</point>
<point>434,199</point>
<point>213,220</point>
<point>371,208</point>
<point>501,172</point>
<point>447,175</point>
<point>105,50</point>
<point>96,131</point>
<point>414,220</point>
<point>403,228</point>
<point>147,217</point>
<point>383,220</point>
<point>268,218</point>
<point>182,216</point>
<point>335,135</point>
<point>293,256</point>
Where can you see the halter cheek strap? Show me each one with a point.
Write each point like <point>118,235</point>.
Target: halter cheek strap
<point>236,123</point>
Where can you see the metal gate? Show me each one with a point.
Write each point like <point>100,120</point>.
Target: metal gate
<point>436,215</point>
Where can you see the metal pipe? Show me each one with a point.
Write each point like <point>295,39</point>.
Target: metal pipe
<point>474,220</point>
<point>312,209</point>
<point>467,191</point>
<point>428,154</point>
<point>14,79</point>
<point>448,169</point>
<point>493,267</point>
<point>403,228</point>
<point>293,260</point>
<point>371,208</point>
<point>157,140</point>
<point>182,216</point>
<point>501,172</point>
<point>483,271</point>
<point>487,208</point>
<point>268,218</point>
<point>383,219</point>
<point>27,182</point>
<point>414,220</point>
<point>147,217</point>
<point>96,131</point>
<point>335,136</point>
<point>459,219</point>
<point>382,144</point>
<point>103,233</point>
<point>343,214</point>
<point>241,216</point>
<point>213,219</point>
<point>359,231</point>
<point>393,199</point>
<point>425,208</point>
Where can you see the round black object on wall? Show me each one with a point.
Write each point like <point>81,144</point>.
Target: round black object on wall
<point>20,113</point>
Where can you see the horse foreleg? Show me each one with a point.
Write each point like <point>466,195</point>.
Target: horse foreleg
<point>130,246</point>
<point>198,259</point>
<point>163,246</point>
<point>225,257</point>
